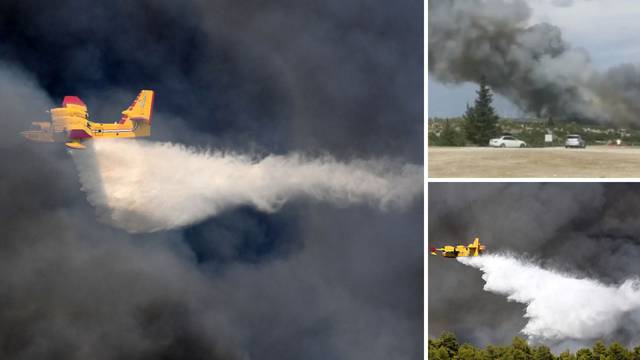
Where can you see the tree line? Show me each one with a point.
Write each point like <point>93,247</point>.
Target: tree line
<point>480,122</point>
<point>447,347</point>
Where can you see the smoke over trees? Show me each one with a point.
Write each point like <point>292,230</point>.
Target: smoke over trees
<point>532,65</point>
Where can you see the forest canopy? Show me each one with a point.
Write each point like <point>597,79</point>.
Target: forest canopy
<point>447,347</point>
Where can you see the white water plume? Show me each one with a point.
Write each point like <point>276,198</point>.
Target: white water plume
<point>559,306</point>
<point>144,186</point>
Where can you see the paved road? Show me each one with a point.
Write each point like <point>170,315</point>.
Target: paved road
<point>557,162</point>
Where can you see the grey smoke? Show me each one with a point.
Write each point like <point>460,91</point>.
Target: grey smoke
<point>311,281</point>
<point>73,288</point>
<point>587,230</point>
<point>530,64</point>
<point>562,3</point>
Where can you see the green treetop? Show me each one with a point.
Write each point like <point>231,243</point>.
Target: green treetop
<point>481,121</point>
<point>447,347</point>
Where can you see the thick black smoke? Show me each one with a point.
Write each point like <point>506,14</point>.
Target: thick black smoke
<point>530,64</point>
<point>590,230</point>
<point>303,76</point>
<point>310,282</point>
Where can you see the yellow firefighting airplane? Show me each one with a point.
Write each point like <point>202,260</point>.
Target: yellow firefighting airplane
<point>474,249</point>
<point>70,123</point>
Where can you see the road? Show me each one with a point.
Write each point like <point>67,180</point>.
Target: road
<point>556,162</point>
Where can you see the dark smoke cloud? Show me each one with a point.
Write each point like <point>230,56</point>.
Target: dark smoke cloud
<point>310,282</point>
<point>303,76</point>
<point>532,65</point>
<point>589,230</point>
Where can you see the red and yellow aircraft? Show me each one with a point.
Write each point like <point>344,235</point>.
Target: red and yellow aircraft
<point>70,123</point>
<point>474,249</point>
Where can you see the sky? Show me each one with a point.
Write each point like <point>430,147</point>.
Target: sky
<point>309,281</point>
<point>606,29</point>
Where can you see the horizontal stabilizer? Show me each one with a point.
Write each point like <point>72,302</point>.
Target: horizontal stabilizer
<point>74,100</point>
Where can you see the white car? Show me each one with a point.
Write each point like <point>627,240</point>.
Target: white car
<point>507,141</point>
<point>575,141</point>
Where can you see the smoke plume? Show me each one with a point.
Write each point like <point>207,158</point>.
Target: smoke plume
<point>144,186</point>
<point>559,307</point>
<point>532,65</point>
<point>249,77</point>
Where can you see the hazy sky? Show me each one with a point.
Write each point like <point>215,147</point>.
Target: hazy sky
<point>606,29</point>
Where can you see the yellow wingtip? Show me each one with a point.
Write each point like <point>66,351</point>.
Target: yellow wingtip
<point>75,145</point>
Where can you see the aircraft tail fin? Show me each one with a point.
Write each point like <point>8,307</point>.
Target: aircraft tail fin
<point>475,248</point>
<point>141,109</point>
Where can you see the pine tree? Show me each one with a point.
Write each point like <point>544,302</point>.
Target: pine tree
<point>450,343</point>
<point>617,352</point>
<point>433,139</point>
<point>466,352</point>
<point>599,350</point>
<point>520,349</point>
<point>543,353</point>
<point>440,354</point>
<point>584,354</point>
<point>566,355</point>
<point>481,121</point>
<point>471,125</point>
<point>550,123</point>
<point>450,136</point>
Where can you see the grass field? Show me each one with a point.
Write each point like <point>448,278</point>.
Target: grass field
<point>594,161</point>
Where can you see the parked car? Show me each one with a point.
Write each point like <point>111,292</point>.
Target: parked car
<point>575,141</point>
<point>507,141</point>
